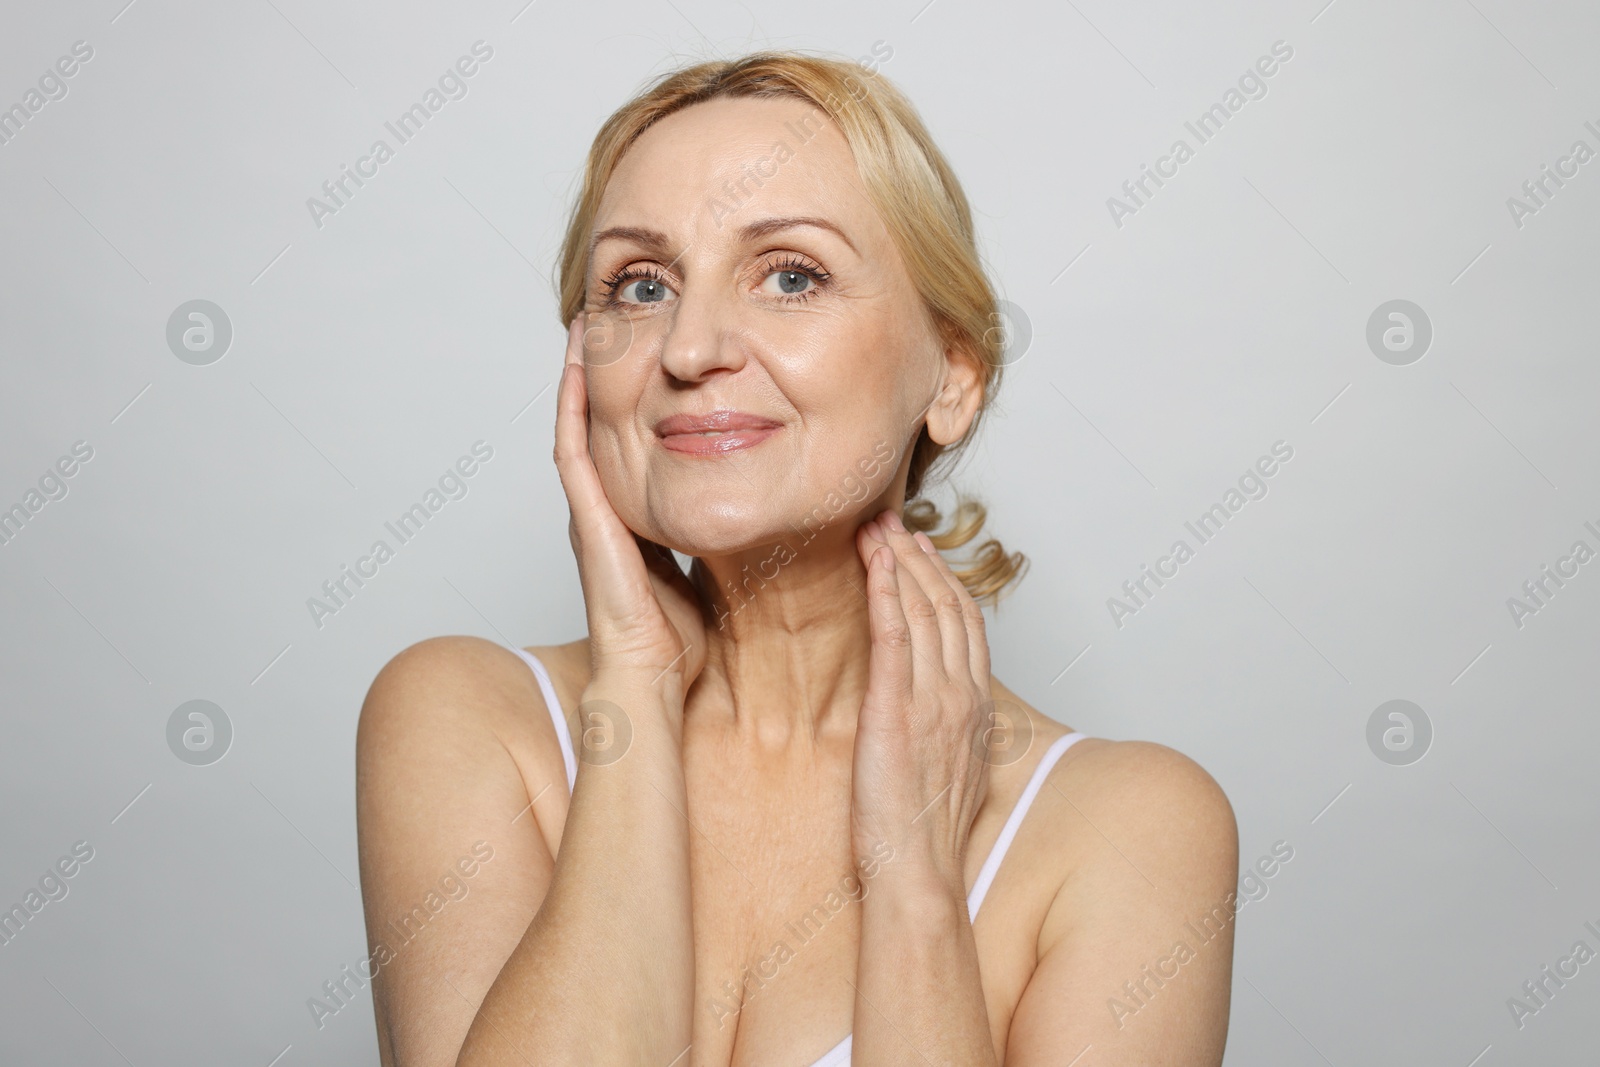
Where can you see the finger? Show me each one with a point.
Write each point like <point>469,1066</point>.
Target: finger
<point>602,543</point>
<point>948,644</point>
<point>869,538</point>
<point>574,464</point>
<point>977,639</point>
<point>920,611</point>
<point>889,665</point>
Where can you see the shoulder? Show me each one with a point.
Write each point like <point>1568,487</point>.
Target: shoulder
<point>1155,787</point>
<point>1141,824</point>
<point>442,679</point>
<point>1155,790</point>
<point>450,765</point>
<point>1106,800</point>
<point>1144,863</point>
<point>445,703</point>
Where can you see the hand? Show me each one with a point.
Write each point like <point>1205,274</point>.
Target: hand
<point>644,617</point>
<point>920,774</point>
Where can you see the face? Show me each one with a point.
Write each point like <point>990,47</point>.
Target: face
<point>744,371</point>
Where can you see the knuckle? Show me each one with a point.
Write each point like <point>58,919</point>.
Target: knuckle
<point>896,637</point>
<point>921,609</point>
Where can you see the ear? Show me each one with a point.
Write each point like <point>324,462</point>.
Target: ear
<point>959,398</point>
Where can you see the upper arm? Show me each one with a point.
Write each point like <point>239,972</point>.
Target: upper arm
<point>1136,952</point>
<point>452,867</point>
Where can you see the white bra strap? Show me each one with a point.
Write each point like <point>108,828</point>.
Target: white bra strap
<point>980,888</point>
<point>563,733</point>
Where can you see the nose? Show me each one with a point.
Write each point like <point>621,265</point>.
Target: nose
<point>701,338</point>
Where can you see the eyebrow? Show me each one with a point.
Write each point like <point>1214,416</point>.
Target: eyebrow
<point>657,241</point>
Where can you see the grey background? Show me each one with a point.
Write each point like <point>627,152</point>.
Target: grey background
<point>1230,312</point>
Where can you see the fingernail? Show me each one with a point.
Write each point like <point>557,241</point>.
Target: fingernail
<point>893,521</point>
<point>926,542</point>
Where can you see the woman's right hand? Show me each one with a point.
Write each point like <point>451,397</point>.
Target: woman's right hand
<point>644,617</point>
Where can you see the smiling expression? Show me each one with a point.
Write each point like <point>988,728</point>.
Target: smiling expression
<point>752,332</point>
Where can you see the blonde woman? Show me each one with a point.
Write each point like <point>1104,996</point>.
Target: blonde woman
<point>751,817</point>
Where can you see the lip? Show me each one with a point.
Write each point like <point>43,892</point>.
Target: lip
<point>715,432</point>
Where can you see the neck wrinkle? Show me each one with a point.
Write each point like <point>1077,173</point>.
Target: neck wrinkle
<point>788,639</point>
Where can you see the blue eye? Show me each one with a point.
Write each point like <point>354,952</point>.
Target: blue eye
<point>651,289</point>
<point>792,282</point>
<point>797,281</point>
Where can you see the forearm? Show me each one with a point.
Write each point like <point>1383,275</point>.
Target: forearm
<point>605,971</point>
<point>919,998</point>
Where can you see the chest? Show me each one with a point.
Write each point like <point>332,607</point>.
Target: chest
<point>777,900</point>
<point>776,903</point>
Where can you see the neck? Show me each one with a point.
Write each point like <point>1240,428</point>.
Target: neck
<point>788,639</point>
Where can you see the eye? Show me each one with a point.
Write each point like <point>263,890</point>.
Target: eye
<point>790,282</point>
<point>646,284</point>
<point>795,279</point>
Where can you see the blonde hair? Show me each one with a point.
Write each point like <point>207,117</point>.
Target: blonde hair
<point>922,204</point>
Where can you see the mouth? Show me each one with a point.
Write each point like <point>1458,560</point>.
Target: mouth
<point>715,433</point>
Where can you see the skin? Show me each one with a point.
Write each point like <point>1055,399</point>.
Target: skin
<point>828,725</point>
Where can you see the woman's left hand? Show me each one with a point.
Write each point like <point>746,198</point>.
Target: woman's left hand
<point>920,770</point>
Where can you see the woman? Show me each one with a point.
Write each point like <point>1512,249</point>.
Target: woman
<point>794,778</point>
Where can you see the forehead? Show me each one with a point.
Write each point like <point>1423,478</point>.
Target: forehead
<point>736,160</point>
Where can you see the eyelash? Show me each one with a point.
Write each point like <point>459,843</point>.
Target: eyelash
<point>819,279</point>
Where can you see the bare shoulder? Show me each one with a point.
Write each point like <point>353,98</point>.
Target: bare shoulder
<point>1143,854</point>
<point>1156,787</point>
<point>449,758</point>
<point>1145,834</point>
<point>434,697</point>
<point>444,677</point>
<point>1114,812</point>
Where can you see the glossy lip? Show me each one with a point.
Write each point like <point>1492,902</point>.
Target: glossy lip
<point>714,433</point>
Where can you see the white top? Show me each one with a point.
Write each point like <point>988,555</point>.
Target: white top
<point>839,1055</point>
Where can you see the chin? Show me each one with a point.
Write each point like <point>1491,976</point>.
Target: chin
<point>722,528</point>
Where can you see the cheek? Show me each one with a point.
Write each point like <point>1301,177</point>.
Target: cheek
<point>614,436</point>
<point>868,400</point>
